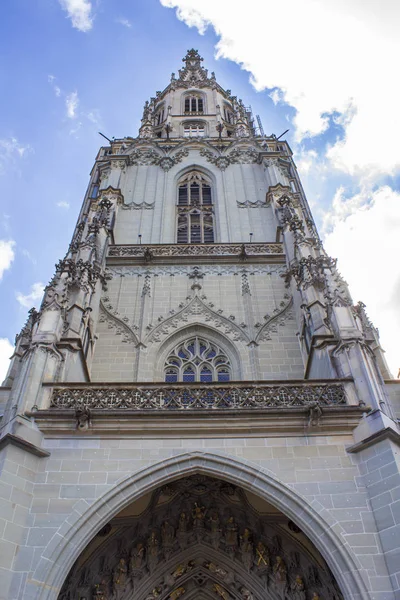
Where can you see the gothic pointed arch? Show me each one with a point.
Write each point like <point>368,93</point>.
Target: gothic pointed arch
<point>89,518</point>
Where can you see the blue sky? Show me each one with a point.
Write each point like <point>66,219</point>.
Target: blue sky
<point>71,68</point>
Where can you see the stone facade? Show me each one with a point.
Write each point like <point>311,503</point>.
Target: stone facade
<point>227,377</point>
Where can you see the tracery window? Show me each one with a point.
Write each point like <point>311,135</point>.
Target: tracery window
<point>197,360</point>
<point>194,104</point>
<point>194,130</point>
<point>195,210</point>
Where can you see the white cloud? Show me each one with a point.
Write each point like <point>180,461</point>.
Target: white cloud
<point>33,298</point>
<point>364,236</point>
<point>29,256</point>
<point>6,350</point>
<point>57,90</point>
<point>71,104</point>
<point>7,255</point>
<point>10,149</point>
<point>321,57</point>
<point>124,22</point>
<point>63,204</point>
<point>80,13</point>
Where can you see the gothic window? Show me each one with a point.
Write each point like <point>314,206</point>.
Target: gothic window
<point>159,116</point>
<point>194,130</point>
<point>194,104</point>
<point>195,212</point>
<point>197,360</point>
<point>228,114</point>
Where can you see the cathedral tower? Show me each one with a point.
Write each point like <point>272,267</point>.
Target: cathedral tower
<point>198,409</point>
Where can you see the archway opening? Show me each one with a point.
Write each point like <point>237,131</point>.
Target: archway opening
<point>200,537</point>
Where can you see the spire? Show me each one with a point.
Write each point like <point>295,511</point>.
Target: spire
<point>193,71</point>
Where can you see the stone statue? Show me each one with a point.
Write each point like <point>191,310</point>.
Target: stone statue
<point>215,533</point>
<point>182,524</point>
<point>262,556</point>
<point>221,591</point>
<point>167,534</point>
<point>246,549</point>
<point>199,512</point>
<point>214,522</point>
<point>246,594</point>
<point>177,593</point>
<point>314,415</point>
<point>231,536</point>
<point>215,569</point>
<point>280,569</point>
<point>137,557</point>
<point>298,589</point>
<point>100,591</point>
<point>154,593</point>
<point>152,550</point>
<point>120,574</point>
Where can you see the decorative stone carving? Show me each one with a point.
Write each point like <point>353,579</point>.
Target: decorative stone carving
<point>108,315</point>
<point>82,416</point>
<point>250,204</point>
<point>151,157</point>
<point>196,307</point>
<point>219,570</point>
<point>310,271</point>
<point>315,414</point>
<point>279,318</point>
<point>245,284</point>
<point>167,397</point>
<point>159,250</point>
<point>236,156</point>
<point>298,590</point>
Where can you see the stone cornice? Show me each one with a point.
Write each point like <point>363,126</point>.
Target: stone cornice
<point>272,422</point>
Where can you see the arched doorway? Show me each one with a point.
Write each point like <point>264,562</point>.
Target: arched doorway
<point>200,537</point>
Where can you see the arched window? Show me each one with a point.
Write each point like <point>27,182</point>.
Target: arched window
<point>194,129</point>
<point>194,104</point>
<point>228,114</point>
<point>195,211</point>
<point>159,115</point>
<point>197,360</point>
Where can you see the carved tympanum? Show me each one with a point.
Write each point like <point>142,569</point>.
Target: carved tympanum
<point>200,537</point>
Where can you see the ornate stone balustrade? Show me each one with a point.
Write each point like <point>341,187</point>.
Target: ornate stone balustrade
<point>234,396</point>
<point>156,252</point>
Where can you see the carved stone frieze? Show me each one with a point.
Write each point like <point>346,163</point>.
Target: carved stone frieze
<point>198,396</point>
<point>200,537</point>
<point>250,204</point>
<point>138,206</point>
<point>160,250</point>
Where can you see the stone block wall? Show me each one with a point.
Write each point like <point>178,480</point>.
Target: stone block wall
<point>43,495</point>
<point>246,309</point>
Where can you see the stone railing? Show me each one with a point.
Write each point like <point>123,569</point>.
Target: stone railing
<point>156,251</point>
<point>234,396</point>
